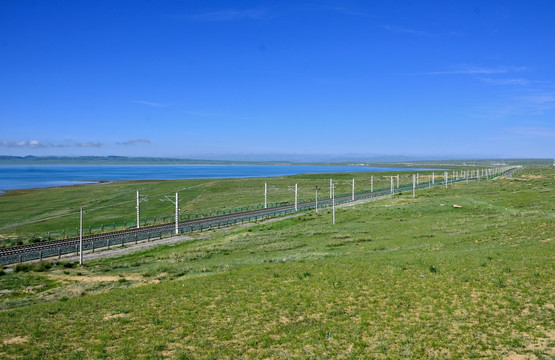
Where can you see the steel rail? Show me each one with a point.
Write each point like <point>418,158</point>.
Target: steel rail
<point>210,221</point>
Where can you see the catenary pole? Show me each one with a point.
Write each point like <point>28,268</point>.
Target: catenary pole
<point>333,202</point>
<point>138,211</point>
<point>392,185</point>
<point>265,195</point>
<point>295,197</point>
<point>81,236</point>
<point>176,213</point>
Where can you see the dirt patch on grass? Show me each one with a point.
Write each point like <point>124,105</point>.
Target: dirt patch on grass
<point>520,357</point>
<point>114,316</point>
<point>95,278</point>
<point>16,340</point>
<point>544,344</point>
<point>530,176</point>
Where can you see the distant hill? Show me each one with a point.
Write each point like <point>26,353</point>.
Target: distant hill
<point>354,159</point>
<point>115,160</point>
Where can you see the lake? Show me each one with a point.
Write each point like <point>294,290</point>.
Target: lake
<point>14,177</point>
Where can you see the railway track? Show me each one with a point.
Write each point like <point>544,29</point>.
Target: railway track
<point>211,221</point>
<point>63,246</point>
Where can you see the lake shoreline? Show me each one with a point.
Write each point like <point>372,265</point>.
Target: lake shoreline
<point>27,177</point>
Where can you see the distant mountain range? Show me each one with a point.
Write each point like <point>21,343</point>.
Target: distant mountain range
<point>99,160</point>
<point>268,159</point>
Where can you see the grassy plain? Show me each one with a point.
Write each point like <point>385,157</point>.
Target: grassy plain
<point>394,278</point>
<point>39,211</point>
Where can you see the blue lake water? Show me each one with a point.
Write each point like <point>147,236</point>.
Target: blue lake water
<point>14,177</point>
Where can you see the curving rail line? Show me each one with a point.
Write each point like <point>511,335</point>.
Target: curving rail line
<point>50,248</point>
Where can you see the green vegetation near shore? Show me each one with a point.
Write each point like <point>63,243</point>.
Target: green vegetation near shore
<point>394,278</point>
<point>28,215</point>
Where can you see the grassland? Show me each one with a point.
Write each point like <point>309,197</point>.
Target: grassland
<point>395,278</point>
<point>38,211</point>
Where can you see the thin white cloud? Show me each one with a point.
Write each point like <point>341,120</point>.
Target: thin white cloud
<point>404,30</point>
<point>89,144</point>
<point>134,141</point>
<point>341,10</point>
<point>226,15</point>
<point>149,103</point>
<point>514,81</point>
<point>33,144</point>
<point>478,70</point>
<point>535,104</point>
<point>36,144</point>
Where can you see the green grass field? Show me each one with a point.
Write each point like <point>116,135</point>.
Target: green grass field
<point>394,278</point>
<point>39,211</point>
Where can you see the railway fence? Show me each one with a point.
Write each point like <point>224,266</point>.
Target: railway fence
<point>57,248</point>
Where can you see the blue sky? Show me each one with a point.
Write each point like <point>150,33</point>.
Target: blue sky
<point>216,78</point>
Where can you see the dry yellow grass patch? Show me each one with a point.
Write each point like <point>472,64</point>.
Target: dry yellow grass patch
<point>16,340</point>
<point>114,316</point>
<point>95,278</point>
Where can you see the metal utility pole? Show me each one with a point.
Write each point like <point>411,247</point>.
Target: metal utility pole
<point>446,176</point>
<point>397,181</point>
<point>176,213</point>
<point>265,195</point>
<point>295,197</point>
<point>176,202</point>
<point>333,202</point>
<point>413,185</point>
<point>371,183</point>
<point>139,201</point>
<point>392,185</point>
<point>433,178</point>
<point>331,188</point>
<point>316,188</point>
<point>81,237</point>
<point>353,196</point>
<point>138,211</point>
<point>291,189</point>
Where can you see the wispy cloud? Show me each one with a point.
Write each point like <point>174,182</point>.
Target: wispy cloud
<point>502,82</point>
<point>150,103</point>
<point>34,144</point>
<point>216,115</point>
<point>89,144</point>
<point>478,70</point>
<point>341,10</point>
<point>134,141</point>
<point>404,30</point>
<point>226,15</point>
<point>532,104</point>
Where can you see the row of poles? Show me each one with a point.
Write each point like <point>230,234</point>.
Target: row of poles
<point>456,175</point>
